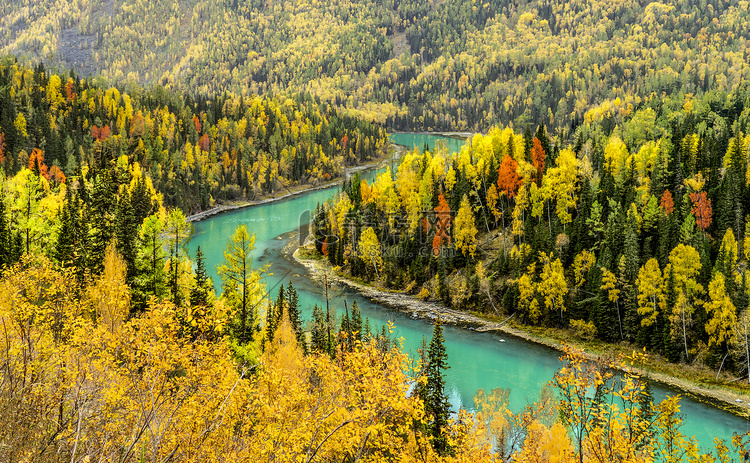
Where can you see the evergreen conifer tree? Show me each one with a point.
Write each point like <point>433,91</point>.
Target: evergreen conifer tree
<point>356,320</point>
<point>345,330</point>
<point>432,394</point>
<point>366,331</point>
<point>64,245</point>
<point>274,316</point>
<point>319,339</point>
<point>199,293</point>
<point>126,235</point>
<point>5,235</point>
<point>292,305</point>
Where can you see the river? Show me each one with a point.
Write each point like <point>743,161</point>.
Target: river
<point>477,360</point>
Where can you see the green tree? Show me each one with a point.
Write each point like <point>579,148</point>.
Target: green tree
<point>320,340</point>
<point>240,283</point>
<point>274,316</point>
<point>177,232</point>
<point>200,293</point>
<point>356,320</point>
<point>152,257</point>
<point>295,316</point>
<point>432,392</point>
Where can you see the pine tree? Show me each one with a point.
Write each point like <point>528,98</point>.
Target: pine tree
<point>101,219</point>
<point>319,339</point>
<point>292,305</point>
<point>366,330</point>
<point>357,322</point>
<point>345,331</point>
<point>443,290</point>
<point>199,293</point>
<point>126,234</point>
<point>274,316</point>
<point>5,234</point>
<point>432,393</point>
<point>64,246</point>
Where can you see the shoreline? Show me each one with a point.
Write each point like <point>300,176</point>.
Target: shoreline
<point>463,135</point>
<point>198,216</point>
<point>240,204</point>
<point>725,400</point>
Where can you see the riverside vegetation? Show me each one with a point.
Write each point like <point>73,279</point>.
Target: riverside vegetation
<point>90,372</point>
<point>627,222</point>
<point>635,234</point>
<point>118,348</point>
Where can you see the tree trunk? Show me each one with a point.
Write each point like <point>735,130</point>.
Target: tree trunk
<point>684,335</point>
<point>722,365</point>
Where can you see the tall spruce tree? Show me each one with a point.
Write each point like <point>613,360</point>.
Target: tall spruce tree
<point>356,320</point>
<point>274,316</point>
<point>432,393</point>
<point>295,318</point>
<point>319,336</point>
<point>201,290</point>
<point>5,235</point>
<point>126,235</point>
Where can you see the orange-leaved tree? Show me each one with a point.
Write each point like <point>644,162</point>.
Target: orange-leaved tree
<point>701,210</point>
<point>508,179</point>
<point>442,225</point>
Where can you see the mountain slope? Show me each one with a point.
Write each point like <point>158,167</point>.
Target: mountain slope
<point>465,66</point>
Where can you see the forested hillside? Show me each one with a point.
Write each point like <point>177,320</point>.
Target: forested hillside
<point>414,64</point>
<point>639,232</point>
<point>195,150</point>
<point>115,347</point>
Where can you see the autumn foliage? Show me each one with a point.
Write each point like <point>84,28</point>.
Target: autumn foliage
<point>508,179</point>
<point>701,209</point>
<point>204,142</point>
<point>100,133</point>
<point>538,159</point>
<point>442,225</point>
<point>666,202</point>
<point>36,163</point>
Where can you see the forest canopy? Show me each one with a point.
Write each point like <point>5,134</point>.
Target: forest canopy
<point>195,150</point>
<point>412,64</point>
<point>638,232</point>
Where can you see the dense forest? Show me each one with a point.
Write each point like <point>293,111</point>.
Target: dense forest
<point>196,381</point>
<point>413,64</point>
<point>195,150</point>
<point>622,217</point>
<point>638,232</point>
<point>116,347</point>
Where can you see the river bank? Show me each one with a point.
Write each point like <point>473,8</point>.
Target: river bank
<point>723,399</point>
<point>294,191</point>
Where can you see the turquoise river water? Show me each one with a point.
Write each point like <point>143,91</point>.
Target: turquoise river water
<point>477,360</point>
